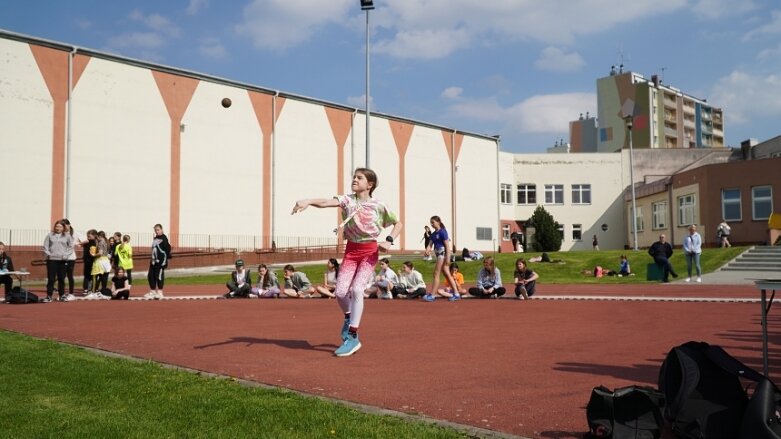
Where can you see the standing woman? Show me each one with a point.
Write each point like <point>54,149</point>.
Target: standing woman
<point>57,246</point>
<point>161,252</point>
<point>78,240</point>
<point>692,249</point>
<point>440,242</point>
<point>364,219</point>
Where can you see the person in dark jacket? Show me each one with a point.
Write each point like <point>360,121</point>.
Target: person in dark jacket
<point>661,251</point>
<point>161,252</point>
<point>240,283</point>
<point>6,265</point>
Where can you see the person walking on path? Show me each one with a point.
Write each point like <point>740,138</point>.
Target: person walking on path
<point>161,253</point>
<point>364,219</point>
<point>723,233</point>
<point>661,251</point>
<point>692,248</point>
<point>426,243</point>
<point>595,243</point>
<point>440,243</point>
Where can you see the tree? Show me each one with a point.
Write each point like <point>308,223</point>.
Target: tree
<point>546,231</point>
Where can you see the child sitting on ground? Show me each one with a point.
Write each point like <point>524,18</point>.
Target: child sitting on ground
<point>120,285</point>
<point>297,284</point>
<point>459,278</point>
<point>241,282</point>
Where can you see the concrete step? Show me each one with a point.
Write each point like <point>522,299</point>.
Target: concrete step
<point>776,249</point>
<point>769,270</point>
<point>760,255</point>
<point>777,265</point>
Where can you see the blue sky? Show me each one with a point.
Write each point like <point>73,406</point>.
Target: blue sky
<point>519,68</point>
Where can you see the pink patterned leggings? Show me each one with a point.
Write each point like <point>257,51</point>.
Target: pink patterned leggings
<point>355,275</point>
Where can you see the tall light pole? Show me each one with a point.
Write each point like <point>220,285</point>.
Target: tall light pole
<point>367,5</point>
<point>628,120</point>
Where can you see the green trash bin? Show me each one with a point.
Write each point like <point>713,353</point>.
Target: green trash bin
<point>654,272</point>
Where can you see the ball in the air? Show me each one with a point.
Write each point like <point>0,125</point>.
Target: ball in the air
<point>226,102</point>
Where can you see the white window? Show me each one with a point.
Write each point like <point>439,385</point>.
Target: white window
<point>659,212</point>
<point>527,193</point>
<point>561,231</point>
<point>730,205</point>
<point>761,202</point>
<point>506,193</point>
<point>640,222</point>
<point>581,194</point>
<point>505,232</point>
<point>577,232</point>
<point>554,194</point>
<point>686,210</point>
<point>484,234</point>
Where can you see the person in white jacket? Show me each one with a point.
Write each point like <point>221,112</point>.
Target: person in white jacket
<point>692,249</point>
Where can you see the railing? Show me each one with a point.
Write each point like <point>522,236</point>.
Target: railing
<point>191,241</point>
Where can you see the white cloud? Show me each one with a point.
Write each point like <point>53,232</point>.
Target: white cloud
<point>771,54</point>
<point>771,28</point>
<point>747,96</point>
<point>452,92</point>
<point>156,22</point>
<point>557,60</point>
<point>138,40</point>
<point>212,48</point>
<point>281,24</point>
<point>715,9</point>
<point>360,101</point>
<point>424,44</point>
<point>541,114</point>
<point>196,6</point>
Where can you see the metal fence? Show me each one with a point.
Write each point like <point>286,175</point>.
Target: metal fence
<point>193,241</point>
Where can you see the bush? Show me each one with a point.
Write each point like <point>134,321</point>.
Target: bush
<point>546,231</point>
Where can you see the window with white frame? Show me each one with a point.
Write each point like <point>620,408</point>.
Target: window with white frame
<point>577,232</point>
<point>761,202</point>
<point>505,192</point>
<point>581,194</point>
<point>686,210</point>
<point>639,216</point>
<point>731,205</point>
<point>554,194</point>
<point>527,193</point>
<point>561,231</point>
<point>659,215</point>
<point>505,232</point>
<point>484,234</point>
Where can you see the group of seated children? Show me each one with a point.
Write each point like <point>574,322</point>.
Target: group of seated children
<point>407,284</point>
<point>296,283</point>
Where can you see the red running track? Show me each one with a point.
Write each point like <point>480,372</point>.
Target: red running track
<point>519,367</point>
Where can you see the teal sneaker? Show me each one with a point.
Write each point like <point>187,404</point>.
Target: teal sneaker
<point>349,347</point>
<point>345,329</point>
<point>455,297</point>
<point>429,298</point>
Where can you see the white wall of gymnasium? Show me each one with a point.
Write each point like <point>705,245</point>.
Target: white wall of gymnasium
<point>132,144</point>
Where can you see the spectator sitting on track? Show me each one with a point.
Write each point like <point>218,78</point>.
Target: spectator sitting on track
<point>120,285</point>
<point>240,283</point>
<point>267,286</point>
<point>383,282</point>
<point>411,284</point>
<point>459,279</point>
<point>525,280</point>
<point>329,282</point>
<point>489,281</point>
<point>297,284</point>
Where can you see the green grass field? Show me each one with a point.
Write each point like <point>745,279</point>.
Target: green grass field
<point>74,393</point>
<point>568,269</point>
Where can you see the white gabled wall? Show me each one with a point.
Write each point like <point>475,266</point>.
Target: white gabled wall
<point>26,127</point>
<point>121,149</point>
<point>477,194</point>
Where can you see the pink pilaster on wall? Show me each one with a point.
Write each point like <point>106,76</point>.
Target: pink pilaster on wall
<point>177,92</point>
<point>263,105</point>
<point>53,65</point>
<point>402,132</point>
<point>340,121</point>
